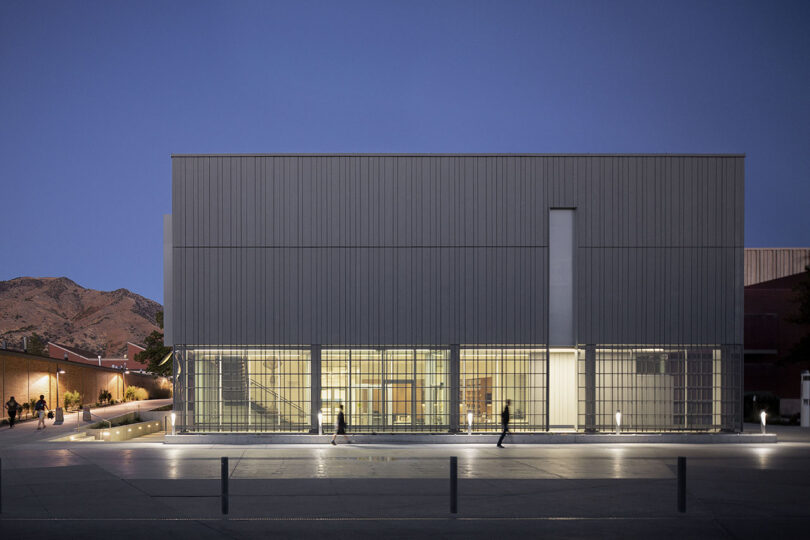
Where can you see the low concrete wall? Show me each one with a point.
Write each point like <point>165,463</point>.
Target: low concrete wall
<point>99,424</point>
<point>522,438</point>
<point>160,416</point>
<point>124,433</point>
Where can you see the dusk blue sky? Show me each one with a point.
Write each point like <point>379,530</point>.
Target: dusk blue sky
<point>95,96</point>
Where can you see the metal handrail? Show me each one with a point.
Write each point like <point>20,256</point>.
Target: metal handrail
<point>109,424</point>
<point>276,395</point>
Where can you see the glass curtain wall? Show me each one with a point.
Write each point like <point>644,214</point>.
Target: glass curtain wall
<point>246,390</point>
<point>656,388</point>
<point>662,389</point>
<point>491,376</point>
<point>386,390</point>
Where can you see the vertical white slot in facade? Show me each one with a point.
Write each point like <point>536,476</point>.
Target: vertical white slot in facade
<point>563,390</point>
<point>561,278</point>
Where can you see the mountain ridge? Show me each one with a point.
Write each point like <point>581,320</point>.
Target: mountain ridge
<point>60,310</point>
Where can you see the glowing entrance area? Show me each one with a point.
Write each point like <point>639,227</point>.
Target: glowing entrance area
<point>386,390</point>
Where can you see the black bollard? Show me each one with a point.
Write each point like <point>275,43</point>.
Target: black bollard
<point>453,485</point>
<point>681,484</point>
<point>224,485</point>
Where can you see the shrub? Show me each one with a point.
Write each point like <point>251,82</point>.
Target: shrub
<point>73,398</point>
<point>162,392</point>
<point>104,396</point>
<point>135,393</point>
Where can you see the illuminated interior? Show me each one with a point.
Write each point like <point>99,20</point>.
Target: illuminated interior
<point>386,390</point>
<point>663,388</point>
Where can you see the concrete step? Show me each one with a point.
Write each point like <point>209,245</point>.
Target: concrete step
<point>78,437</point>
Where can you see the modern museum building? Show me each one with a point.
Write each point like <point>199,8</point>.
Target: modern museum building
<point>422,291</point>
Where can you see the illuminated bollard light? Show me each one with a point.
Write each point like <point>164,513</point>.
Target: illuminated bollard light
<point>320,423</point>
<point>618,422</point>
<point>469,422</point>
<point>762,416</point>
<point>173,416</point>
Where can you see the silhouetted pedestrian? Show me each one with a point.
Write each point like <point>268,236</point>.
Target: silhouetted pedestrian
<point>13,407</point>
<point>340,426</point>
<point>40,407</point>
<point>504,422</point>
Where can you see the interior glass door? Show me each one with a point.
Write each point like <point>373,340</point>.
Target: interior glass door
<point>399,403</point>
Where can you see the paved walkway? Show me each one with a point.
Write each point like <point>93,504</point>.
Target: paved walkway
<point>144,487</point>
<point>27,433</point>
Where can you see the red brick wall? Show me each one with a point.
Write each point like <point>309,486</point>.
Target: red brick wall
<point>132,351</point>
<point>59,354</point>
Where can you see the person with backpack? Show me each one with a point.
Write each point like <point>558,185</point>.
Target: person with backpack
<point>13,408</point>
<point>40,407</point>
<point>340,426</point>
<point>504,422</point>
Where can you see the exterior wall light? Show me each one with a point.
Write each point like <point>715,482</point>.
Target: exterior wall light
<point>469,422</point>
<point>762,417</point>
<point>320,423</point>
<point>106,434</point>
<point>618,422</point>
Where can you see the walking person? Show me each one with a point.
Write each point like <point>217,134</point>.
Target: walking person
<point>40,407</point>
<point>504,422</point>
<point>340,426</point>
<point>13,408</point>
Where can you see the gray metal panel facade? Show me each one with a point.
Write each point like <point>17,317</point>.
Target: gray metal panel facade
<point>444,249</point>
<point>765,264</point>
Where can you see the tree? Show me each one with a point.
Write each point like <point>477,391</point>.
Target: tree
<point>801,351</point>
<point>36,345</point>
<point>155,351</point>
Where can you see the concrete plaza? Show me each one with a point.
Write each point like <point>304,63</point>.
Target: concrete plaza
<point>145,487</point>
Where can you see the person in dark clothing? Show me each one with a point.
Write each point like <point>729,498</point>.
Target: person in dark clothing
<point>504,422</point>
<point>340,426</point>
<point>40,407</point>
<point>13,408</point>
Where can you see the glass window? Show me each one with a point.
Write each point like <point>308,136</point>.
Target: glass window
<point>248,390</point>
<point>657,389</point>
<point>386,390</point>
<point>491,376</point>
